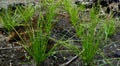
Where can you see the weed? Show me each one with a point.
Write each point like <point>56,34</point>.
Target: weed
<point>37,40</point>
<point>90,33</point>
<point>109,27</point>
<point>39,36</point>
<point>8,19</point>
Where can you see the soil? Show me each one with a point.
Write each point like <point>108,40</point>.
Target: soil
<point>13,54</point>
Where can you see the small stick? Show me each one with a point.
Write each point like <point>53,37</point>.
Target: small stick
<point>10,48</point>
<point>70,61</point>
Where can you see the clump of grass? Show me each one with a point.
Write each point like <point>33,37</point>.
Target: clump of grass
<point>90,33</point>
<point>91,37</point>
<point>9,20</point>
<point>39,36</point>
<point>109,27</point>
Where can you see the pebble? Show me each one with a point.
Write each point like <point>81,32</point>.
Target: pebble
<point>117,54</point>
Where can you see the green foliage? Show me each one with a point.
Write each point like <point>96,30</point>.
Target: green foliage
<point>91,37</point>
<point>39,37</point>
<point>72,10</point>
<point>36,45</point>
<point>12,18</point>
<point>9,19</point>
<point>109,27</point>
<point>91,33</point>
<point>26,13</point>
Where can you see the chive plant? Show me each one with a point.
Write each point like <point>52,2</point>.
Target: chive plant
<point>91,38</point>
<point>109,27</point>
<point>90,34</point>
<point>37,42</point>
<point>39,36</point>
<point>9,19</point>
<point>12,18</point>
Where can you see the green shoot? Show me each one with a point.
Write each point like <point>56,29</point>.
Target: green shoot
<point>109,27</point>
<point>8,19</point>
<point>39,36</point>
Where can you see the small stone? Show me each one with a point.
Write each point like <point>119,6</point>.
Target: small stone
<point>117,54</point>
<point>118,49</point>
